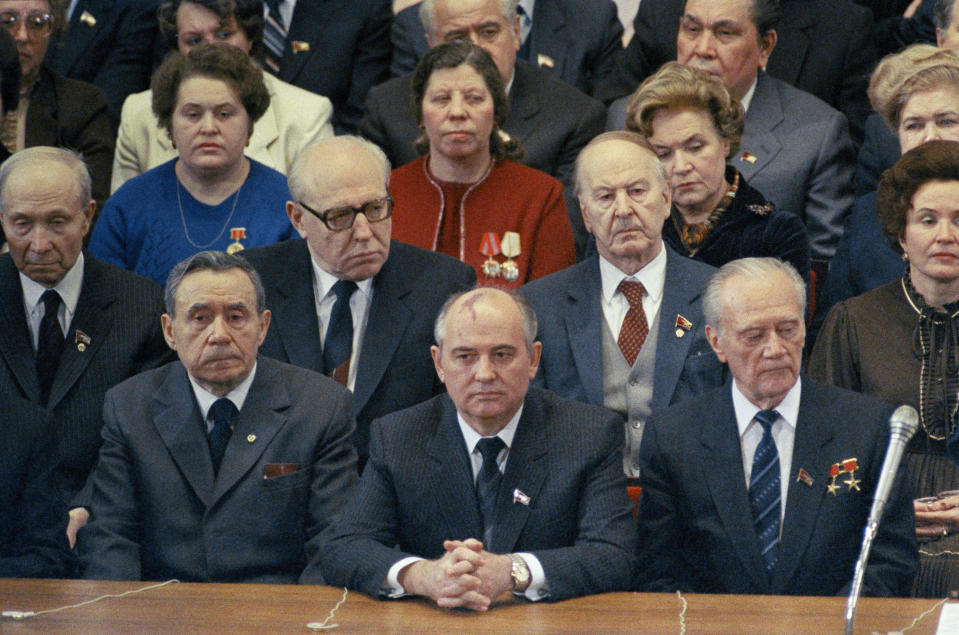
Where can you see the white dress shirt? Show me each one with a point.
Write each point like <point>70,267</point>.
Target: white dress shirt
<point>69,289</point>
<point>615,304</point>
<point>205,398</point>
<point>359,308</point>
<point>783,431</point>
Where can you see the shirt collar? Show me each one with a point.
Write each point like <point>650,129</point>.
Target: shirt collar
<point>748,97</point>
<point>68,288</point>
<point>325,281</point>
<point>652,276</point>
<point>788,408</point>
<point>205,398</point>
<point>472,437</point>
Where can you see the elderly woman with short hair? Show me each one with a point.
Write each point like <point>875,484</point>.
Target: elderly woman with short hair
<point>694,125</point>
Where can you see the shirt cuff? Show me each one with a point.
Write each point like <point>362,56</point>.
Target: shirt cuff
<point>392,587</point>
<point>538,588</point>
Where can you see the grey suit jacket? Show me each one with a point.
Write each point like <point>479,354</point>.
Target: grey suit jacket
<point>118,318</point>
<point>577,41</point>
<point>568,307</point>
<point>695,523</point>
<point>396,370</point>
<point>159,513</point>
<point>417,491</point>
<point>552,120</point>
<point>796,151</point>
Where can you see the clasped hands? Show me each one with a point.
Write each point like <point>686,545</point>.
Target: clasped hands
<point>465,576</point>
<point>936,516</point>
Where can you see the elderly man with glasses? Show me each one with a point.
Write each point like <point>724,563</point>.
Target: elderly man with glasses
<point>346,300</point>
<point>54,110</point>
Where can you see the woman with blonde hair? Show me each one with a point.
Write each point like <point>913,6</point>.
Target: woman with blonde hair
<point>694,126</point>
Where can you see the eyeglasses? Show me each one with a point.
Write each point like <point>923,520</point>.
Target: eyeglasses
<point>338,219</point>
<point>36,23</point>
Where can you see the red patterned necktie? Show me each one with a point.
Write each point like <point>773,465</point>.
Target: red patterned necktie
<point>635,329</point>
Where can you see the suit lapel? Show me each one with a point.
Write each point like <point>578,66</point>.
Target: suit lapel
<point>523,103</point>
<point>80,36</point>
<point>296,323</point>
<point>308,19</point>
<point>793,44</point>
<point>584,323</point>
<point>724,477</point>
<point>803,501</point>
<point>547,38</point>
<point>180,426</point>
<point>385,325</point>
<point>452,479</point>
<point>259,421</point>
<point>15,343</point>
<point>525,472</point>
<point>759,145</point>
<point>671,351</point>
<point>93,320</point>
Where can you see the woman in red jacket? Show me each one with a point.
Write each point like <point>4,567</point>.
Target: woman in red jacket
<point>467,197</point>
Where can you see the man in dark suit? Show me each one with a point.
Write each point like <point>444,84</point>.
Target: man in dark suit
<point>765,485</point>
<point>824,48</point>
<point>400,288</point>
<point>335,48</point>
<point>108,43</point>
<point>552,120</point>
<point>33,540</point>
<point>107,320</point>
<point>220,467</point>
<point>578,41</point>
<point>582,309</point>
<point>548,516</point>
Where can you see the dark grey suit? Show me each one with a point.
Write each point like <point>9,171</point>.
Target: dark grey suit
<point>695,524</point>
<point>417,491</point>
<point>395,369</point>
<point>568,306</point>
<point>551,119</point>
<point>119,313</point>
<point>159,513</point>
<point>796,151</point>
<point>577,41</point>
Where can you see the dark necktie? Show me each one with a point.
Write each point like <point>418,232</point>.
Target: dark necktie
<point>487,483</point>
<point>339,333</point>
<point>274,36</point>
<point>523,52</point>
<point>49,343</point>
<point>221,412</point>
<point>635,328</point>
<point>765,492</point>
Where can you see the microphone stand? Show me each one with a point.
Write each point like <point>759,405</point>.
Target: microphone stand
<point>902,425</point>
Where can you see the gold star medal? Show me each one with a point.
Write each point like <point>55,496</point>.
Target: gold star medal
<point>511,248</point>
<point>834,471</point>
<point>849,466</point>
<point>490,247</point>
<point>236,234</point>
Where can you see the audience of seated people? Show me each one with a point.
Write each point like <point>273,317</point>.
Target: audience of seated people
<point>294,118</point>
<point>212,195</point>
<point>666,356</point>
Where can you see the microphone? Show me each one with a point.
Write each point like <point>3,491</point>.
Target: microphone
<point>902,425</point>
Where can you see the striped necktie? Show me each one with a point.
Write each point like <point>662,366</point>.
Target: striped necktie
<point>274,37</point>
<point>765,494</point>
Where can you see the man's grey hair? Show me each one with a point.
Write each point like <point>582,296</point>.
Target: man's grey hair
<point>942,14</point>
<point>619,135</point>
<point>211,261</point>
<point>300,179</point>
<point>46,155</point>
<point>751,269</point>
<point>529,325</point>
<point>427,9</point>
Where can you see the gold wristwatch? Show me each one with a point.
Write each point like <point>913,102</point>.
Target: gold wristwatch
<point>519,573</point>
